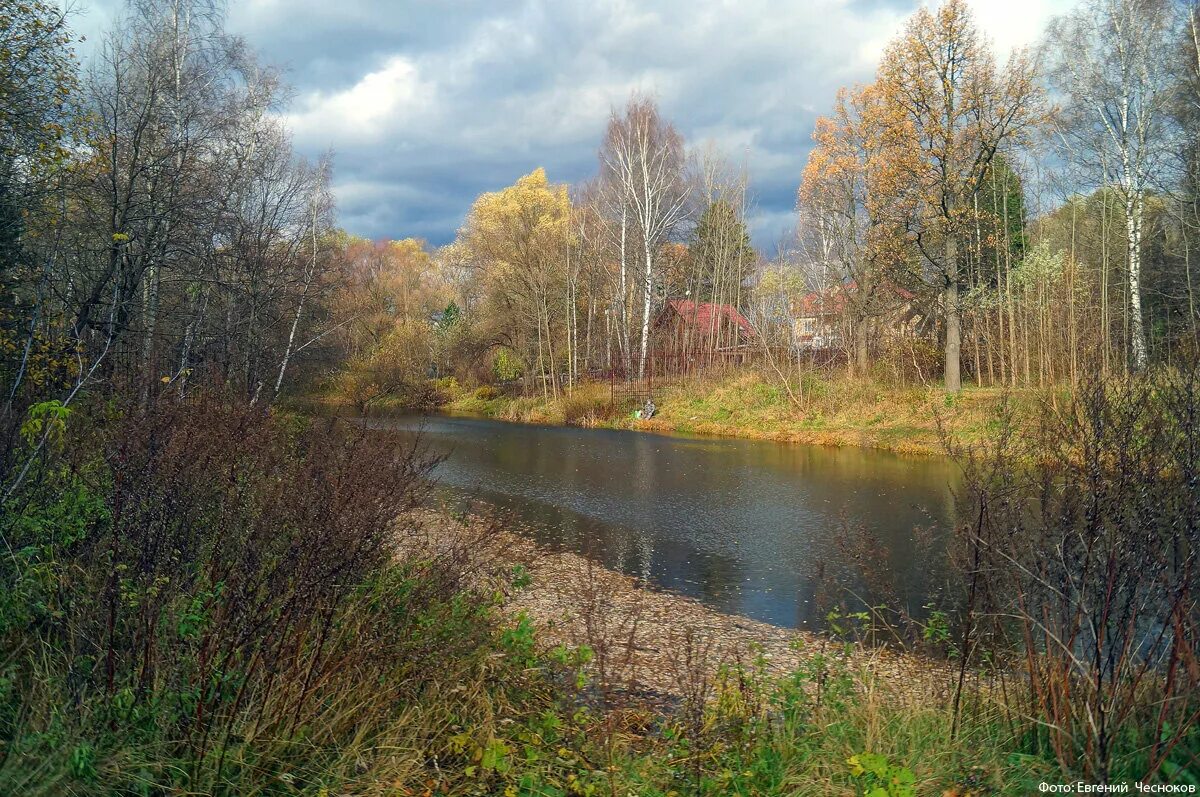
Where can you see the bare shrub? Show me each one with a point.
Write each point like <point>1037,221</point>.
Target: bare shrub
<point>1079,548</point>
<point>203,583</point>
<point>691,661</point>
<point>609,619</point>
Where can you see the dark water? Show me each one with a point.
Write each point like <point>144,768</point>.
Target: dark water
<point>767,530</point>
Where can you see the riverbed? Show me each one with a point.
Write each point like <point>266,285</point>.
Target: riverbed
<point>780,533</point>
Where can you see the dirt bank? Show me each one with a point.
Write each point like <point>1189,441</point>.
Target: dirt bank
<point>651,639</point>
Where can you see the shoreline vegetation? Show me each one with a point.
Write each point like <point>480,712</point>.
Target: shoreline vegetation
<point>838,410</point>
<point>641,656</point>
<point>569,597</point>
<point>411,651</point>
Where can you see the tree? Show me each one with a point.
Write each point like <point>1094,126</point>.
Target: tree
<point>642,159</point>
<point>959,111</point>
<point>1113,62</point>
<point>1187,119</point>
<point>850,184</point>
<point>721,251</point>
<point>37,82</point>
<point>519,237</point>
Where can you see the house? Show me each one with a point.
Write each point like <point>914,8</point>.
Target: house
<point>686,327</point>
<point>822,320</point>
<point>818,319</point>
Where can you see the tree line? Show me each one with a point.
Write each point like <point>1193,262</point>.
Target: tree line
<point>1032,217</point>
<point>1044,206</point>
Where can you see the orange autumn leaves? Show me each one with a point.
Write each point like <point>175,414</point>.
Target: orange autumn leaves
<point>854,176</point>
<point>891,184</point>
<point>897,162</point>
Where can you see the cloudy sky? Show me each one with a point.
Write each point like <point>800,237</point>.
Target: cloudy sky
<point>427,103</point>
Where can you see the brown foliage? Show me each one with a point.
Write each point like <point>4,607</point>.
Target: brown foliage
<point>1080,552</point>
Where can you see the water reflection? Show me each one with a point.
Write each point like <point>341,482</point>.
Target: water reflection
<point>748,527</point>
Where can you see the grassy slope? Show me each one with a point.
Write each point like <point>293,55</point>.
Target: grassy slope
<point>839,412</point>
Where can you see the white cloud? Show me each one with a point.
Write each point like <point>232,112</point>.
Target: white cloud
<point>366,110</point>
<point>429,102</point>
<point>1013,24</point>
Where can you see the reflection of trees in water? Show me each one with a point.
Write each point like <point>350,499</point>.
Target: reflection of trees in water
<point>646,552</point>
<point>719,578</point>
<point>747,526</point>
<point>860,570</point>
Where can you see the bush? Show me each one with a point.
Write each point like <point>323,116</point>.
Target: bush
<point>395,372</point>
<point>204,599</point>
<point>201,598</point>
<point>507,365</point>
<point>585,409</point>
<point>1080,564</point>
<point>908,361</point>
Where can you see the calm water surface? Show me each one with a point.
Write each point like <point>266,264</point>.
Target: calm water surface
<point>768,530</point>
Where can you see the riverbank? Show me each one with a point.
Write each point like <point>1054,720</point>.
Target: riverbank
<point>645,633</point>
<point>839,411</point>
<point>681,699</point>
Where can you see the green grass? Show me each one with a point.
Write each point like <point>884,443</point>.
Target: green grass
<point>804,733</point>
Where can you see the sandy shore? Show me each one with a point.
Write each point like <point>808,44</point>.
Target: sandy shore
<point>646,639</point>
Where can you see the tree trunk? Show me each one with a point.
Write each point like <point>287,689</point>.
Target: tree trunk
<point>622,319</point>
<point>860,347</point>
<point>953,321</point>
<point>647,295</point>
<point>1133,238</point>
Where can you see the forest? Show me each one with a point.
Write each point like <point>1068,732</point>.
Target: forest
<point>211,585</point>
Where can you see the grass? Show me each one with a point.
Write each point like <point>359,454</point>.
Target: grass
<point>204,599</point>
<point>836,410</point>
<point>810,733</point>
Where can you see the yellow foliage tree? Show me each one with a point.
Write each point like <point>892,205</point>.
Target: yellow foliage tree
<point>851,182</point>
<point>519,239</point>
<point>959,109</point>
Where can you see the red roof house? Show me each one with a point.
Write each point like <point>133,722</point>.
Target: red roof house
<point>684,325</point>
<point>705,316</point>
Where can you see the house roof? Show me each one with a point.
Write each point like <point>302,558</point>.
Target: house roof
<point>706,315</point>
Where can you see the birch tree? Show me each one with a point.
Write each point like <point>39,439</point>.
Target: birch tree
<point>1113,64</point>
<point>643,159</point>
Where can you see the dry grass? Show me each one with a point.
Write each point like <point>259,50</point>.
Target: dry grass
<point>832,410</point>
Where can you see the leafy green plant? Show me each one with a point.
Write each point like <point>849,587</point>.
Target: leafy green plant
<point>875,776</point>
<point>46,419</point>
<point>507,366</point>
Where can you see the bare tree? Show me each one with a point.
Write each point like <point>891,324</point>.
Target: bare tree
<point>643,159</point>
<point>1113,64</point>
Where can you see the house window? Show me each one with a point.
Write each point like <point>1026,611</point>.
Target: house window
<point>807,326</point>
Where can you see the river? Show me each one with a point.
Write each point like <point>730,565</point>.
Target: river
<point>773,531</point>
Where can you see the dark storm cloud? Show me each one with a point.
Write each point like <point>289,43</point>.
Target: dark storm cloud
<point>427,103</point>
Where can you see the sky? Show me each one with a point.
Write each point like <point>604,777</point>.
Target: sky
<point>425,104</point>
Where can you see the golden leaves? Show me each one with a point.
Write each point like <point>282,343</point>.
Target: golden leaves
<point>520,230</point>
